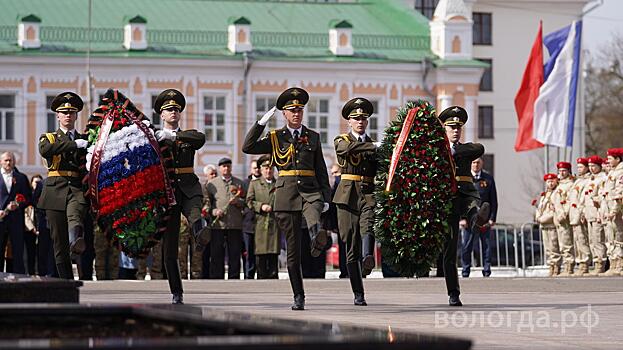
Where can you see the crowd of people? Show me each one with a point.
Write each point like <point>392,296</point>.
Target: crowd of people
<point>581,216</point>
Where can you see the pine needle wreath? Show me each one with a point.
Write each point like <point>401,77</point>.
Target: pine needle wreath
<point>411,218</point>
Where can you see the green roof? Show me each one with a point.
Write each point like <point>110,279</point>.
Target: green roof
<point>31,19</point>
<point>137,19</point>
<point>440,63</point>
<point>383,30</point>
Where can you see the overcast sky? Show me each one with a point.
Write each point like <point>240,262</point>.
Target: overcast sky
<point>601,23</point>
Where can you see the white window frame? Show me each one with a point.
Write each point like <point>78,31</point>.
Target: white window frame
<point>308,115</point>
<point>15,110</point>
<point>229,122</point>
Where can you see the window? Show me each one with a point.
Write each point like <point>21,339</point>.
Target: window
<point>482,28</point>
<point>485,122</point>
<point>318,117</point>
<point>155,116</point>
<point>373,122</point>
<point>426,7</point>
<point>214,118</point>
<point>489,163</point>
<point>7,117</point>
<point>262,105</point>
<point>50,117</point>
<point>486,82</point>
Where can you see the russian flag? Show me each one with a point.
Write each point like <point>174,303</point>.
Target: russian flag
<point>553,110</point>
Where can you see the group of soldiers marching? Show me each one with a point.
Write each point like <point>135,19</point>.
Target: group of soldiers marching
<point>581,217</point>
<point>296,197</point>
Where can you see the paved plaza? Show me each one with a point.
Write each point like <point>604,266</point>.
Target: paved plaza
<point>499,313</point>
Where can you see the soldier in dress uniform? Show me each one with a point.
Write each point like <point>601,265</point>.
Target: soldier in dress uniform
<point>188,195</point>
<point>561,217</point>
<point>303,184</point>
<point>354,197</point>
<point>591,206</point>
<point>614,197</point>
<point>466,198</point>
<point>63,198</point>
<point>261,199</point>
<point>578,223</point>
<point>545,217</point>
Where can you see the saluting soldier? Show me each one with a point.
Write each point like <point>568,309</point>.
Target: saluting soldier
<point>354,196</point>
<point>261,199</point>
<point>561,217</point>
<point>614,195</point>
<point>576,220</point>
<point>188,194</point>
<point>466,198</point>
<point>545,217</point>
<point>63,198</point>
<point>303,184</point>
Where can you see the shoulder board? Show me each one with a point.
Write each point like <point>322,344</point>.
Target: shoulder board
<point>344,137</point>
<point>50,136</point>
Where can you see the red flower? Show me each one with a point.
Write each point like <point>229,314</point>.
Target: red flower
<point>563,202</point>
<point>20,198</point>
<point>304,139</point>
<point>542,194</point>
<point>574,205</point>
<point>533,202</point>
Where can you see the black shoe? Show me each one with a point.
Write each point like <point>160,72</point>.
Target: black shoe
<point>486,274</point>
<point>78,246</point>
<point>360,300</point>
<point>482,217</point>
<point>465,275</point>
<point>178,299</point>
<point>299,302</point>
<point>367,265</point>
<point>318,243</point>
<point>455,301</point>
<point>202,239</point>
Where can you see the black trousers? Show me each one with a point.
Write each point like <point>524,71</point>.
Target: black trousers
<point>30,243</point>
<point>249,258</point>
<point>170,251</point>
<point>267,266</point>
<point>221,240</point>
<point>462,206</point>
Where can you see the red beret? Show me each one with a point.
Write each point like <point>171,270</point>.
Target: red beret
<point>582,160</point>
<point>616,152</point>
<point>595,159</point>
<point>604,161</point>
<point>550,176</point>
<point>563,165</point>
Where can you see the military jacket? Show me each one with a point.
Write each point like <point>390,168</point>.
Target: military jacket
<point>356,158</point>
<point>63,155</point>
<point>305,154</point>
<point>218,194</point>
<point>545,209</point>
<point>575,197</point>
<point>183,154</point>
<point>592,197</point>
<point>560,201</point>
<point>614,190</point>
<point>465,154</point>
<point>266,230</point>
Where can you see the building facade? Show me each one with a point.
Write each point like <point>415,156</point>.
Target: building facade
<point>232,58</point>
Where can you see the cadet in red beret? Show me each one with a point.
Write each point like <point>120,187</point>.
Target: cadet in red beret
<point>545,217</point>
<point>613,194</point>
<point>578,226</point>
<point>591,205</point>
<point>561,217</point>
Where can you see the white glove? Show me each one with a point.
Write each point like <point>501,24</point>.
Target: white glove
<point>266,117</point>
<point>377,144</point>
<point>325,207</point>
<point>81,143</point>
<point>165,134</point>
<point>146,122</point>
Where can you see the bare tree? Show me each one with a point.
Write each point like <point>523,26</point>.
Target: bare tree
<point>604,98</point>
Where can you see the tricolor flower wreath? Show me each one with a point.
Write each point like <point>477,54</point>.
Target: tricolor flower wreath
<point>411,218</point>
<point>128,185</point>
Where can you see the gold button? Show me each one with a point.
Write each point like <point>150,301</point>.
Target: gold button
<point>298,182</point>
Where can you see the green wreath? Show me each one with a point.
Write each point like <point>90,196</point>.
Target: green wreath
<point>411,218</point>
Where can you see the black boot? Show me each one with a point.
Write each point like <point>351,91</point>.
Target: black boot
<point>77,245</point>
<point>65,271</point>
<point>299,302</point>
<point>202,235</point>
<point>318,240</point>
<point>356,283</point>
<point>481,217</point>
<point>454,300</point>
<point>178,299</point>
